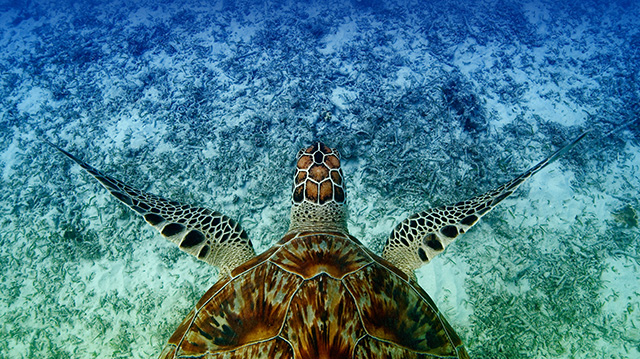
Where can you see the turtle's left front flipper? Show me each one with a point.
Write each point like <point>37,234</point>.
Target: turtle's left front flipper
<point>206,234</point>
<point>422,236</point>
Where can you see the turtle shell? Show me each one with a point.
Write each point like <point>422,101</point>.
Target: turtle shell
<point>315,295</point>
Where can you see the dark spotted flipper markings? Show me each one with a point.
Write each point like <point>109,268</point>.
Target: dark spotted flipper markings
<point>206,234</point>
<point>422,236</point>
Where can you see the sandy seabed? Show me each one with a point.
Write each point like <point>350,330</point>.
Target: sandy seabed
<point>429,104</point>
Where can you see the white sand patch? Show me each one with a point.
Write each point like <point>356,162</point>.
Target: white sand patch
<point>621,306</point>
<point>345,33</point>
<point>403,77</point>
<point>531,83</point>
<point>443,279</point>
<point>209,151</point>
<point>622,296</point>
<point>470,57</point>
<point>34,99</point>
<point>549,192</point>
<point>217,48</point>
<point>562,112</point>
<point>241,32</point>
<point>135,129</point>
<point>341,97</point>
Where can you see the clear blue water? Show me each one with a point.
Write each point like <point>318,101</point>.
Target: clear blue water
<point>429,103</point>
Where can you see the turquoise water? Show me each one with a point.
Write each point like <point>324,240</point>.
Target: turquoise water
<point>428,104</point>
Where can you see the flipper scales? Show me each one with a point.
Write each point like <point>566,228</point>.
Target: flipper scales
<point>204,233</point>
<point>416,240</point>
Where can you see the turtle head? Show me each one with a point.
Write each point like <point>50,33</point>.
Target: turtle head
<point>319,198</point>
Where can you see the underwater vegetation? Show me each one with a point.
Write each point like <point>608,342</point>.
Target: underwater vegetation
<point>627,216</point>
<point>427,102</point>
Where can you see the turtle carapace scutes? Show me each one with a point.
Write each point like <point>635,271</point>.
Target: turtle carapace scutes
<point>318,292</point>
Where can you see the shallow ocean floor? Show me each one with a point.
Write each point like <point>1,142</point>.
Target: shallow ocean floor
<point>431,103</point>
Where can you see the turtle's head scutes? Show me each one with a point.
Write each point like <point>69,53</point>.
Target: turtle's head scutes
<point>319,197</point>
<point>318,178</point>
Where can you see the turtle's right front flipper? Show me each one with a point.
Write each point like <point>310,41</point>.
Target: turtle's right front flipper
<point>206,234</point>
<point>422,236</point>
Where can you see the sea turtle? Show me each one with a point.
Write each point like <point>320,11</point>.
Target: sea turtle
<point>318,292</point>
